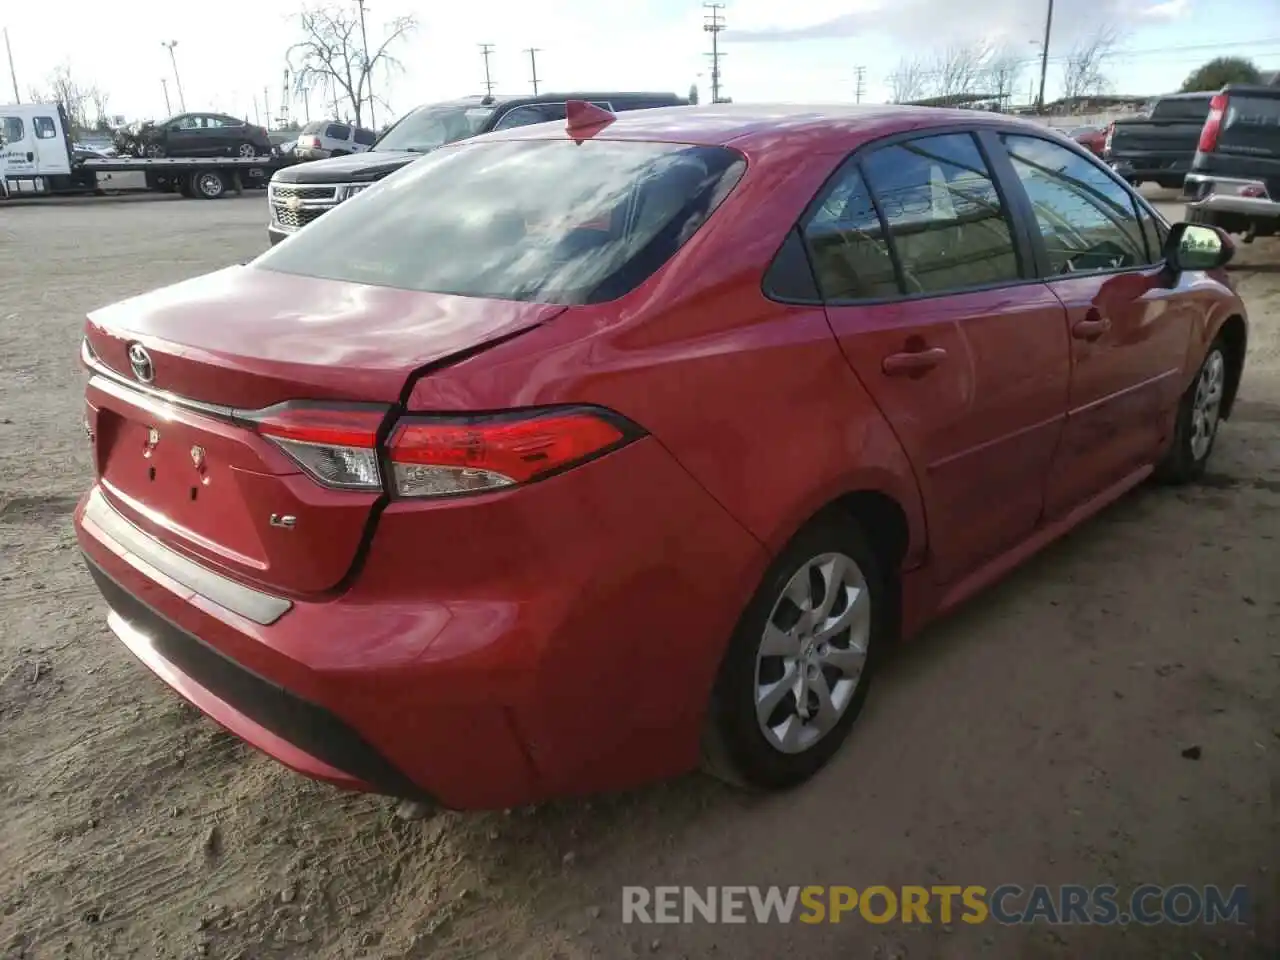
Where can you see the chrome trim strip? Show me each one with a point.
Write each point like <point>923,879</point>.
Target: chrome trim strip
<point>101,371</point>
<point>261,608</point>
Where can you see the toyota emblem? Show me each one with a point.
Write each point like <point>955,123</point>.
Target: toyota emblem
<point>144,370</point>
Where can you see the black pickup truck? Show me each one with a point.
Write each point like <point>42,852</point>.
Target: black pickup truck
<point>1234,181</point>
<point>1159,147</point>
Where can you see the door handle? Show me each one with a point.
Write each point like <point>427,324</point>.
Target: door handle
<point>1093,326</point>
<point>914,362</point>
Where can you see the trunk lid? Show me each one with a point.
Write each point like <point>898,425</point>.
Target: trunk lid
<point>178,456</point>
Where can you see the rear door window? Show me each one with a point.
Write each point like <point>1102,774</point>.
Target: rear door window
<point>1087,220</point>
<point>947,225</point>
<point>847,244</point>
<point>546,221</point>
<point>531,113</point>
<point>338,131</point>
<point>365,137</point>
<point>45,128</point>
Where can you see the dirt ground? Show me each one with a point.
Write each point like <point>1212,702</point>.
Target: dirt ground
<point>1037,737</point>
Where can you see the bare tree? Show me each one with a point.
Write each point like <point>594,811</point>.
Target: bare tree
<point>332,54</point>
<point>99,99</point>
<point>1004,68</point>
<point>960,69</point>
<point>908,81</point>
<point>76,98</point>
<point>1084,71</point>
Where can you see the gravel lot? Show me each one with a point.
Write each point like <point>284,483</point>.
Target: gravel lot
<point>1037,737</point>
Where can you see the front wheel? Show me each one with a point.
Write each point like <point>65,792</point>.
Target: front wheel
<point>798,668</point>
<point>1199,414</point>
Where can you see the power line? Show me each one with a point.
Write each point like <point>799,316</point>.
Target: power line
<point>713,23</point>
<point>533,66</point>
<point>485,50</point>
<point>368,67</point>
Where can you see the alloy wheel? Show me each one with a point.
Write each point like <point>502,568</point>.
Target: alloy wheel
<point>812,653</point>
<point>1207,404</point>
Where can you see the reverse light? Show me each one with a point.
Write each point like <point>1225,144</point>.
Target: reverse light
<point>335,446</point>
<point>1212,128</point>
<point>434,457</point>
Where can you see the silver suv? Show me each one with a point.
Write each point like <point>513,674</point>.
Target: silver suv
<point>322,139</point>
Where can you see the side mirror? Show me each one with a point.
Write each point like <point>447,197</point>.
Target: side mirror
<point>1197,246</point>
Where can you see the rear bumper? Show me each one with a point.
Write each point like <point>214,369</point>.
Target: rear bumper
<point>1150,168</point>
<point>1222,195</point>
<point>560,639</point>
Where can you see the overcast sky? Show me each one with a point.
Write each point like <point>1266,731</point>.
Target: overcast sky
<point>777,50</point>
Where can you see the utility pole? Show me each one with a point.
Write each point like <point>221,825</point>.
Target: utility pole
<point>13,74</point>
<point>533,66</point>
<point>182,100</point>
<point>368,69</point>
<point>164,85</point>
<point>713,24</point>
<point>485,50</point>
<point>266,107</point>
<point>284,99</point>
<point>1044,54</point>
<point>860,73</point>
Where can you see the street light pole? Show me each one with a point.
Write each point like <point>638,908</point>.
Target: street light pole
<point>164,85</point>
<point>13,74</point>
<point>170,44</point>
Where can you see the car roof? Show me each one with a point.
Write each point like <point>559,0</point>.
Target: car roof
<point>748,125</point>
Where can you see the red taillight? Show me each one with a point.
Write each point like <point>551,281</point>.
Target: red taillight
<point>336,446</point>
<point>1111,133</point>
<point>1213,124</point>
<point>433,457</point>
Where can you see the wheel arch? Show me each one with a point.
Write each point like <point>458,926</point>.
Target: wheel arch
<point>1235,339</point>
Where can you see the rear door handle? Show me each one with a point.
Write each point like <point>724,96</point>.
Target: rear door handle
<point>913,362</point>
<point>1093,326</point>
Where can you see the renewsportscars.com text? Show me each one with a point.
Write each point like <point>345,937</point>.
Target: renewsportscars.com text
<point>1007,904</point>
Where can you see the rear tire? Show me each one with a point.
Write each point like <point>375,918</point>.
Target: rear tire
<point>798,668</point>
<point>208,184</point>
<point>246,151</point>
<point>1199,415</point>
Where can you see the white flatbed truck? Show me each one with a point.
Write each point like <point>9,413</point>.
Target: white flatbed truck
<point>38,159</point>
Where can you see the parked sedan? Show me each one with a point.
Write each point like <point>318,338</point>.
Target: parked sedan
<point>577,455</point>
<point>195,135</point>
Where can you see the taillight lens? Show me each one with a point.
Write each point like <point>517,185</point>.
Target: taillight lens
<point>1111,133</point>
<point>436,457</point>
<point>1213,124</point>
<point>336,446</point>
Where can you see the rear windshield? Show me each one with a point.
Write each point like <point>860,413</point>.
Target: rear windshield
<point>315,126</point>
<point>1253,115</point>
<point>549,221</point>
<point>1193,108</point>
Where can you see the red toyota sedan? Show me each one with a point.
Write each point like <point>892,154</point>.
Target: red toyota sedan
<point>575,456</point>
